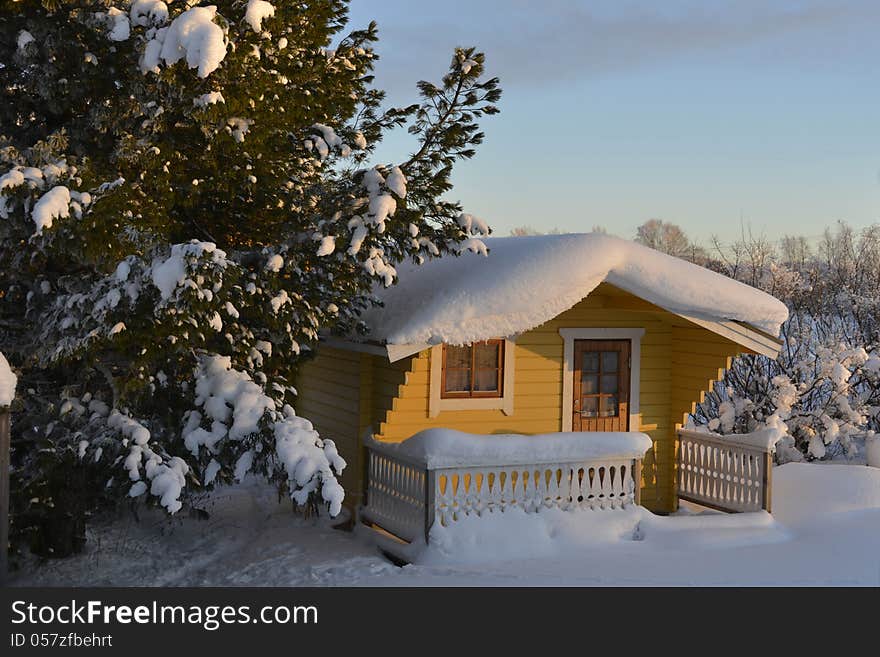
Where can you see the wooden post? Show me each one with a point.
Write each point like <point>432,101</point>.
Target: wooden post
<point>4,493</point>
<point>768,481</point>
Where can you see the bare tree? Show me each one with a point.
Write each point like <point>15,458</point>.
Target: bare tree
<point>669,238</point>
<point>521,231</point>
<point>795,251</point>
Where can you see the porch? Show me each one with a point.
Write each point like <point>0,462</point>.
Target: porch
<point>442,476</point>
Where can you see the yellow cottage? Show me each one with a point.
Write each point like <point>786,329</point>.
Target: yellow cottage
<point>562,334</point>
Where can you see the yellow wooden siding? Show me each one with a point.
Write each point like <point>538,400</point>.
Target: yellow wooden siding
<point>331,394</point>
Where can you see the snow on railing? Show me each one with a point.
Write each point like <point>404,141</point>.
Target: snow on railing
<point>407,494</point>
<point>728,473</point>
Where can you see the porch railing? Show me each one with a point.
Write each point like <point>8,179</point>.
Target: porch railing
<point>725,473</point>
<point>406,498</point>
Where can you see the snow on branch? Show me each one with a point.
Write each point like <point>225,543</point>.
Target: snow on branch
<point>8,381</point>
<point>194,36</point>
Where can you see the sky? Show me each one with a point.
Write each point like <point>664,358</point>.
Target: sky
<point>718,116</point>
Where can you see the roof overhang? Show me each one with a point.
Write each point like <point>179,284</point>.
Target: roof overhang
<point>393,352</point>
<point>741,333</point>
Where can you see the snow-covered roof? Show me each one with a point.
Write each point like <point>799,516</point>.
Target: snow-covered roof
<point>526,281</point>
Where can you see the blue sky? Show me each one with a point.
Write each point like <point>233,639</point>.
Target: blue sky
<point>614,112</point>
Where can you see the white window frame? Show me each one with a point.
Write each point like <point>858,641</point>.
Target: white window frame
<point>436,403</point>
<point>569,335</point>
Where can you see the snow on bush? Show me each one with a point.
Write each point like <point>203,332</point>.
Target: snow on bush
<point>232,407</point>
<point>23,39</point>
<point>823,390</point>
<point>54,204</point>
<point>230,398</point>
<point>820,402</point>
<point>145,13</point>
<point>210,98</point>
<point>194,36</point>
<point>166,475</point>
<point>120,28</point>
<point>256,12</point>
<point>170,272</point>
<point>8,381</point>
<point>308,461</point>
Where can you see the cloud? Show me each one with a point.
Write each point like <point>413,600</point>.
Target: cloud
<point>533,43</point>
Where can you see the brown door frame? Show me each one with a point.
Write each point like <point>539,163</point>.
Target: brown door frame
<point>620,421</point>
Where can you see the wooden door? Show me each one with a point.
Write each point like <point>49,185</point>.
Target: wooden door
<point>601,385</point>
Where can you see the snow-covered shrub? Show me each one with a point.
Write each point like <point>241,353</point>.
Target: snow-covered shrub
<point>824,387</point>
<point>825,404</point>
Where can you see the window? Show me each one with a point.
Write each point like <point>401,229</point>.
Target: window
<point>476,377</point>
<point>475,370</point>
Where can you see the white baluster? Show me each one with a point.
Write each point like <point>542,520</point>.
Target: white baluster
<point>553,492</point>
<point>631,484</point>
<point>587,488</point>
<point>617,484</point>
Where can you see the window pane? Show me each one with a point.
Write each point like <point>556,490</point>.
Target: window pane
<point>458,357</point>
<point>486,381</point>
<point>589,384</point>
<point>589,406</point>
<point>486,356</point>
<point>610,360</point>
<point>608,406</point>
<point>609,383</point>
<point>590,362</point>
<point>458,380</point>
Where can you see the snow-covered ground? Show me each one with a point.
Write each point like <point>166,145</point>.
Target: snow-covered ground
<point>825,531</point>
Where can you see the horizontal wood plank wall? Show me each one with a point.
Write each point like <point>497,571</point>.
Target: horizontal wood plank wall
<point>538,386</point>
<point>389,381</point>
<point>330,396</point>
<point>699,358</point>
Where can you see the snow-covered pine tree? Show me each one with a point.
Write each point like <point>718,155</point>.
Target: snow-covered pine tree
<point>186,197</point>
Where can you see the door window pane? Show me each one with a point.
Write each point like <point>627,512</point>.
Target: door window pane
<point>589,384</point>
<point>609,361</point>
<point>608,406</point>
<point>589,406</point>
<point>590,362</point>
<point>609,383</point>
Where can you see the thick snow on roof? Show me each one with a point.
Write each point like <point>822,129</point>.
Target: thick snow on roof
<point>526,281</point>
